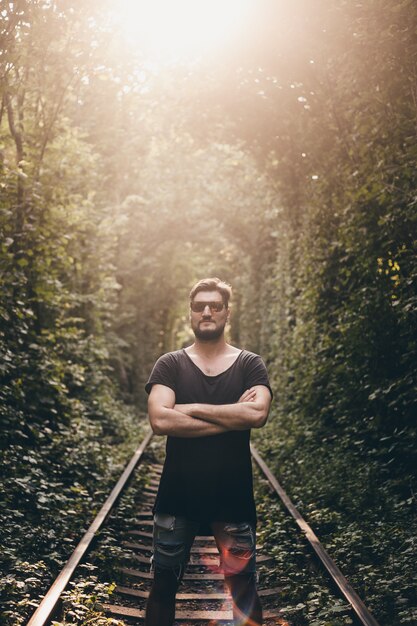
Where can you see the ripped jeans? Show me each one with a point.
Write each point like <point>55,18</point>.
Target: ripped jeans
<point>173,538</point>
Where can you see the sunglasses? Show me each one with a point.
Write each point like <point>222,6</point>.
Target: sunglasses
<point>198,307</point>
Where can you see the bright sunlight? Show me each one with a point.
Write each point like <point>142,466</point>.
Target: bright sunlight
<point>170,29</point>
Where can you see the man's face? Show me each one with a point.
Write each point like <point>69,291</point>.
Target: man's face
<point>208,323</point>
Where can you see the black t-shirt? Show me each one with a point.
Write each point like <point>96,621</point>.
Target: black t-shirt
<point>208,478</point>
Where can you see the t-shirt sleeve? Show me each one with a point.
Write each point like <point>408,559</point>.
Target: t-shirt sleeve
<point>255,372</point>
<point>163,373</point>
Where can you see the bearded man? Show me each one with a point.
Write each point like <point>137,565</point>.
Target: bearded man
<point>206,398</point>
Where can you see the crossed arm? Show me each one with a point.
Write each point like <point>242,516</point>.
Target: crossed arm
<point>198,420</point>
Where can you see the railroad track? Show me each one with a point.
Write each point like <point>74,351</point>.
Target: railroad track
<point>202,598</point>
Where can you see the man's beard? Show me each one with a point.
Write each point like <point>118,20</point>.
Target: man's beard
<point>208,334</point>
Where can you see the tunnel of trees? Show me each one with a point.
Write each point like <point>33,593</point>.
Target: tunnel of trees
<point>286,165</point>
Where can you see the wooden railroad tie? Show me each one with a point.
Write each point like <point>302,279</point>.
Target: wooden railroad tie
<point>206,560</point>
<point>214,595</point>
<point>205,616</point>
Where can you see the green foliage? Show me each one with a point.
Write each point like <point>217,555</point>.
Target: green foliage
<point>83,603</point>
<point>364,517</point>
<point>51,493</point>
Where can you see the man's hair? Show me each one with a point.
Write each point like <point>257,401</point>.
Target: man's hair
<point>212,284</point>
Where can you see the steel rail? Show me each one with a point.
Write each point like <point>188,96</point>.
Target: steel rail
<point>349,593</point>
<point>49,602</point>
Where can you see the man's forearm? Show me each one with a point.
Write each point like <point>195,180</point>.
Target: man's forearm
<point>238,416</point>
<point>178,424</point>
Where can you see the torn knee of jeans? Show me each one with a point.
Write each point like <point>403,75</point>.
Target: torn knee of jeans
<point>242,553</point>
<point>170,549</point>
<point>243,546</point>
<point>239,530</point>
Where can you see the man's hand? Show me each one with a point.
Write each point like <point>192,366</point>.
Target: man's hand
<point>248,396</point>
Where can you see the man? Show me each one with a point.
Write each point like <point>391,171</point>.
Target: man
<point>206,398</point>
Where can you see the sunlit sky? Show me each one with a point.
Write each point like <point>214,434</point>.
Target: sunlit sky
<point>169,29</point>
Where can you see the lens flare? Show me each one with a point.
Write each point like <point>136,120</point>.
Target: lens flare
<point>181,28</point>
